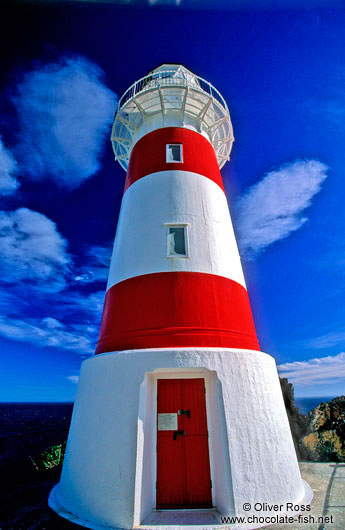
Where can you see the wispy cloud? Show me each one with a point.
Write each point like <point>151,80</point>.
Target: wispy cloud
<point>92,303</point>
<point>31,248</point>
<point>34,266</point>
<point>96,266</point>
<point>73,378</point>
<point>332,110</point>
<point>65,112</point>
<point>327,340</point>
<point>41,332</point>
<point>8,170</point>
<point>272,209</point>
<point>165,2</point>
<point>316,371</point>
<point>72,302</point>
<point>71,323</point>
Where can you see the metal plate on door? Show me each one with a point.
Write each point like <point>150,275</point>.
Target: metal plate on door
<point>167,422</point>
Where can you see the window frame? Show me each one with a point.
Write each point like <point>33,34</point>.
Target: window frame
<point>186,239</point>
<point>167,152</point>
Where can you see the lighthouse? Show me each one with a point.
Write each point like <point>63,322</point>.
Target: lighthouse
<point>179,417</point>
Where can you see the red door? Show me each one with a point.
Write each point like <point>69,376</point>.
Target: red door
<point>183,465</point>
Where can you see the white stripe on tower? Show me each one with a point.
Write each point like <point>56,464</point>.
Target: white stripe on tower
<point>180,197</point>
<point>154,300</point>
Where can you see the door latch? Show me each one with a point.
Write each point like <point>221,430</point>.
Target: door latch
<point>185,412</point>
<point>178,433</point>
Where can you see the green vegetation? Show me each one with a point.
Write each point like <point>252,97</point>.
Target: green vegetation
<point>50,458</point>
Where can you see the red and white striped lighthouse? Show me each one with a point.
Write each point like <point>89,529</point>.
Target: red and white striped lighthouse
<point>179,410</point>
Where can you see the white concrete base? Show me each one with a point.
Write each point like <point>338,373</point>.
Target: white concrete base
<point>207,519</point>
<point>109,473</point>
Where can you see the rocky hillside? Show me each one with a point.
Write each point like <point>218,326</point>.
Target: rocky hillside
<point>325,438</point>
<point>320,436</point>
<point>298,422</point>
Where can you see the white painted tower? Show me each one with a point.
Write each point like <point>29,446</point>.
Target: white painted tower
<point>179,418</point>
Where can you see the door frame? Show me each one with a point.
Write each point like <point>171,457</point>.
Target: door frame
<point>146,461</point>
<point>193,375</point>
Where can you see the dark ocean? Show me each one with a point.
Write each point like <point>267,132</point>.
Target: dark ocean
<point>305,405</point>
<point>34,417</point>
<point>28,428</point>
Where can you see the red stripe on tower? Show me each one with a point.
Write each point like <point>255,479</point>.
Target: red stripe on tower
<point>149,155</point>
<point>176,309</point>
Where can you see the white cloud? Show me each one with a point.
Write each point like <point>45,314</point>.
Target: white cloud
<point>74,326</point>
<point>52,323</point>
<point>331,110</point>
<point>165,2</point>
<point>272,209</point>
<point>325,341</point>
<point>34,266</point>
<point>96,266</point>
<point>8,169</point>
<point>31,248</point>
<point>316,371</point>
<point>92,303</point>
<point>73,378</point>
<point>65,112</point>
<point>41,333</point>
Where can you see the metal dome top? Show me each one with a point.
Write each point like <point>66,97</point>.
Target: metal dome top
<point>176,71</point>
<point>168,96</point>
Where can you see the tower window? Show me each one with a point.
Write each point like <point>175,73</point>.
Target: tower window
<point>177,241</point>
<point>174,153</point>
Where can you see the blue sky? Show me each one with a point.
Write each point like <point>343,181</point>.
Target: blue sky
<point>282,73</point>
